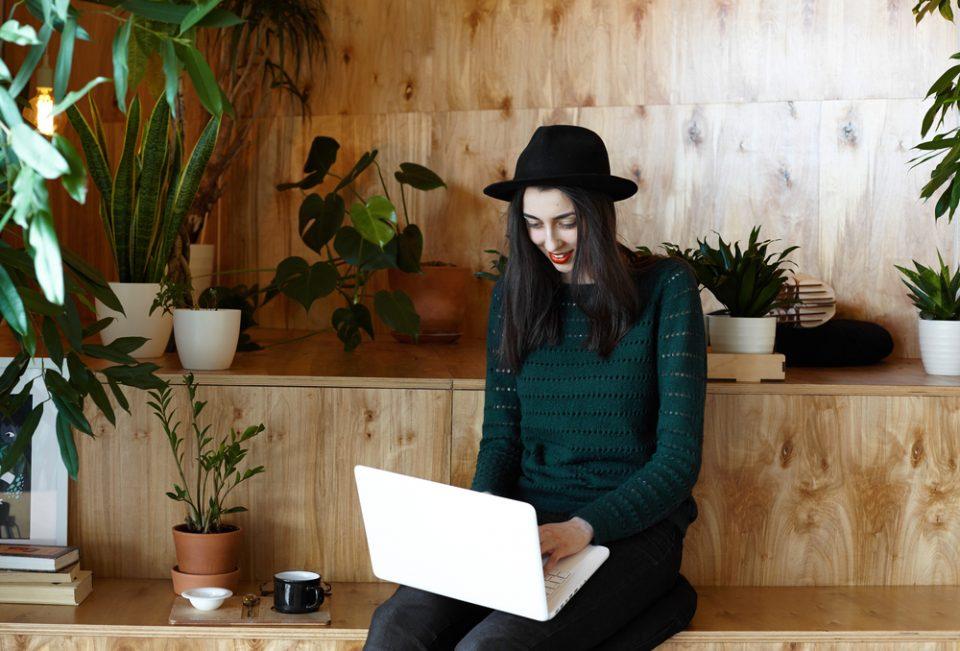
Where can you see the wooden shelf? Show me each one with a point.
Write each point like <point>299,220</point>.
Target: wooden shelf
<point>135,608</point>
<point>320,361</point>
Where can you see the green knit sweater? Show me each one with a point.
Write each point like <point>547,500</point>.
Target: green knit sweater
<point>616,442</point>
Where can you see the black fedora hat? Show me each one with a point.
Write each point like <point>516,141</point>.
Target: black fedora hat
<point>564,154</point>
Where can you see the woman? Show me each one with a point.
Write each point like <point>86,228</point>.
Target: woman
<point>596,377</point>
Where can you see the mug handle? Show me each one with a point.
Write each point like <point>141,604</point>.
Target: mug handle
<point>317,597</point>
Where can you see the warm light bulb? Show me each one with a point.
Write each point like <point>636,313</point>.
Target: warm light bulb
<point>45,123</point>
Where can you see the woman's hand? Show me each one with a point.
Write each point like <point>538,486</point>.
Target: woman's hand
<point>564,539</point>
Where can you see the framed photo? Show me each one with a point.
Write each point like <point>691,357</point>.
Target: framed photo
<point>33,494</point>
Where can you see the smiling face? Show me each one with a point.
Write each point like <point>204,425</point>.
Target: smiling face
<point>552,225</point>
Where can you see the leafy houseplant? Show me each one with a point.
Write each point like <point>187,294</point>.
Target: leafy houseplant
<point>143,203</point>
<point>373,240</point>
<point>747,282</point>
<point>497,266</point>
<point>936,294</point>
<point>205,545</point>
<point>42,284</point>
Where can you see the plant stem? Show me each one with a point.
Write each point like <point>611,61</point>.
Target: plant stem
<point>403,198</point>
<point>290,341</point>
<point>383,183</point>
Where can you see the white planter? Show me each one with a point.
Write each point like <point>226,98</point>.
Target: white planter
<point>940,346</point>
<point>206,339</point>
<point>136,299</point>
<point>201,267</point>
<point>734,334</point>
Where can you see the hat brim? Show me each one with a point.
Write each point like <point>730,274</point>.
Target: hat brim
<point>616,187</point>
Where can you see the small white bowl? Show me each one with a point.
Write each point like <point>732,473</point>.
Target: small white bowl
<point>207,598</point>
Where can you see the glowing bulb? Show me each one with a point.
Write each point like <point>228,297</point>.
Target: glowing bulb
<point>45,124</point>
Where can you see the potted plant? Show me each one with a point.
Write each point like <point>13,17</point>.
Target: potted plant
<point>936,294</point>
<point>206,333</point>
<point>373,240</point>
<point>143,203</point>
<point>437,288</point>
<point>748,284</point>
<point>208,549</point>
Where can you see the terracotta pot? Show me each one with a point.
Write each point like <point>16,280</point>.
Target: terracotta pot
<point>207,553</point>
<point>183,581</point>
<point>439,296</point>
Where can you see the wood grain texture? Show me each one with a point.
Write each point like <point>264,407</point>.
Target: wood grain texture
<point>796,116</point>
<point>303,511</point>
<point>130,613</point>
<point>813,490</point>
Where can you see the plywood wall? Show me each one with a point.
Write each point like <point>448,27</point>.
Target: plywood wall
<point>728,113</point>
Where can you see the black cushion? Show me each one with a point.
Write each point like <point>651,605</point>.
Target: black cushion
<point>838,342</point>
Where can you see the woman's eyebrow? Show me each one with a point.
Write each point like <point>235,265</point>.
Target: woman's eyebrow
<point>566,214</point>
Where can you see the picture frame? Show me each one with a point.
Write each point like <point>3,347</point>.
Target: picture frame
<point>33,494</point>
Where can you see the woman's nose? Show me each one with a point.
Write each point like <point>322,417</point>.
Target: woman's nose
<point>552,240</point>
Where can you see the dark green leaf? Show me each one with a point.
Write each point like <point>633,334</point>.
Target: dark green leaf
<point>121,43</point>
<point>203,80</point>
<point>61,77</point>
<point>320,219</point>
<point>409,249</point>
<point>419,177</point>
<point>11,305</point>
<point>68,447</point>
<point>397,311</point>
<point>322,156</point>
<point>74,181</point>
<point>24,436</point>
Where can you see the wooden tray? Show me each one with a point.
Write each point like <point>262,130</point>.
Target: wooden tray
<point>231,613</point>
<point>745,367</point>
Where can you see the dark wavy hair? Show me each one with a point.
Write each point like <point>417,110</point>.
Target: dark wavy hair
<point>531,309</point>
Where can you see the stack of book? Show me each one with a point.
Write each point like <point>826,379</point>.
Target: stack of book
<point>43,574</point>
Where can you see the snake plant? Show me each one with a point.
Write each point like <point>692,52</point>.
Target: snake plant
<point>143,201</point>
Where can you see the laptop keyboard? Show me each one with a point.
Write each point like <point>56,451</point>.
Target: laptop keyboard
<point>553,580</point>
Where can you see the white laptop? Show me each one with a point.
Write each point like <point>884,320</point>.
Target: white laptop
<point>467,545</point>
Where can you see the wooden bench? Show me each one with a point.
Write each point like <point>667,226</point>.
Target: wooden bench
<point>132,613</point>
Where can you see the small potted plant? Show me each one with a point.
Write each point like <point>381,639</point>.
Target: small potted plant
<point>206,334</point>
<point>748,284</point>
<point>936,294</point>
<point>208,549</point>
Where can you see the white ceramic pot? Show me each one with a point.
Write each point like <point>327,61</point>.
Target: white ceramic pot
<point>136,299</point>
<point>940,346</point>
<point>734,334</point>
<point>206,339</point>
<point>201,267</point>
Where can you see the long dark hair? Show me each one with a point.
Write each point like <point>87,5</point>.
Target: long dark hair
<point>531,309</point>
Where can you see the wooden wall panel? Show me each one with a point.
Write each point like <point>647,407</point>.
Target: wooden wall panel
<point>303,511</point>
<point>811,490</point>
<point>728,114</point>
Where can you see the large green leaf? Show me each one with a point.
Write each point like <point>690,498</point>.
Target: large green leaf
<point>322,155</point>
<point>31,60</point>
<point>11,305</point>
<point>397,311</point>
<point>305,283</point>
<point>75,181</point>
<point>184,193</point>
<point>198,13</point>
<point>61,76</point>
<point>409,249</point>
<point>124,184</point>
<point>171,74</point>
<point>202,76</point>
<point>320,218</point>
<point>374,220</point>
<point>68,448</point>
<point>121,44</point>
<point>148,211</point>
<point>37,152</point>
<point>46,256</point>
<point>419,177</point>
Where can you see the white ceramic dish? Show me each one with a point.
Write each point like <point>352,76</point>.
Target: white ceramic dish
<point>207,598</point>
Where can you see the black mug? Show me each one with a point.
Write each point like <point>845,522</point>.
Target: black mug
<point>297,591</point>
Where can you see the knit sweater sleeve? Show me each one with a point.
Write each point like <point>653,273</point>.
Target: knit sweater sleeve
<point>498,460</point>
<point>658,487</point>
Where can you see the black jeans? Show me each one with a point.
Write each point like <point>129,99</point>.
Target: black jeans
<point>635,600</point>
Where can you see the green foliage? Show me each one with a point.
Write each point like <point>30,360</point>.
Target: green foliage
<point>217,465</point>
<point>498,265</point>
<point>946,146</point>
<point>373,240</point>
<point>935,293</point>
<point>144,201</point>
<point>747,282</point>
